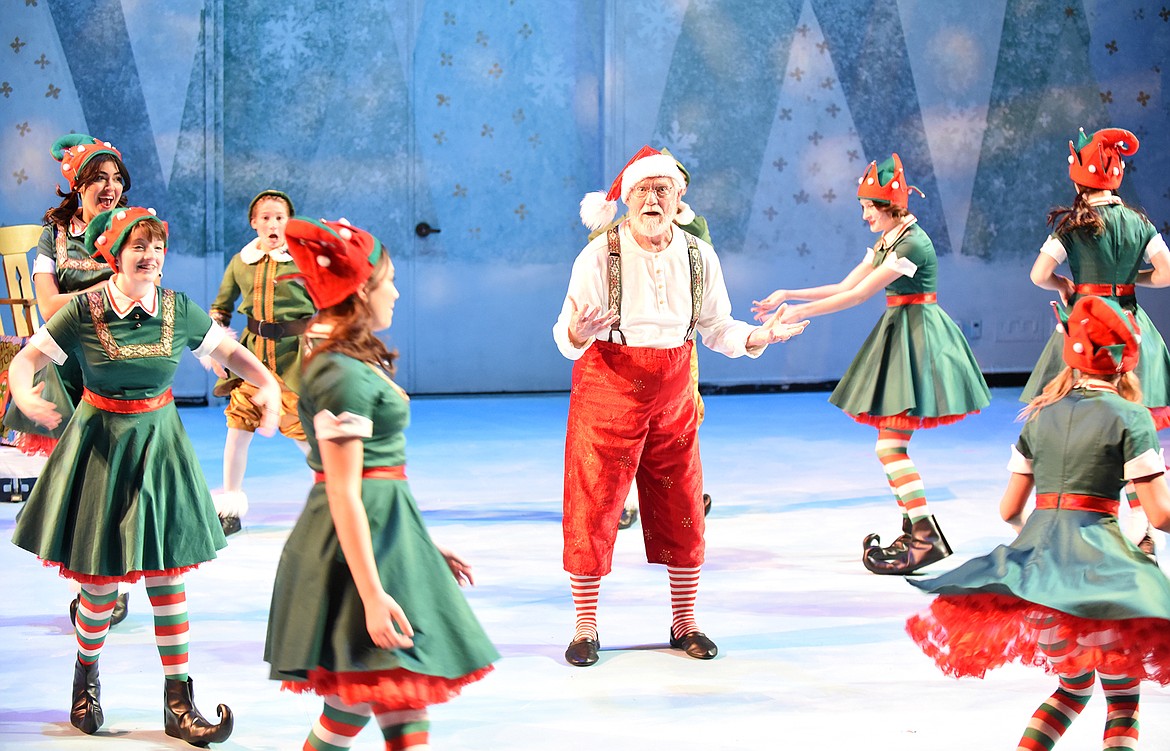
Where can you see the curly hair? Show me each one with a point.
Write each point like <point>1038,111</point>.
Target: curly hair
<point>63,213</point>
<point>1081,215</point>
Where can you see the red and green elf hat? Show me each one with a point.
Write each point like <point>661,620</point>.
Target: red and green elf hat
<point>1101,338</point>
<point>886,183</point>
<point>1095,161</point>
<point>334,258</point>
<point>598,209</point>
<point>108,230</point>
<point>75,150</point>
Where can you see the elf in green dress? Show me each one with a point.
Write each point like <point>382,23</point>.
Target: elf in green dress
<point>366,609</point>
<point>122,497</point>
<point>1105,244</point>
<point>277,311</point>
<point>1071,593</point>
<point>914,371</point>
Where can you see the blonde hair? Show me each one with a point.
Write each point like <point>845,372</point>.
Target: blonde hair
<point>1129,387</point>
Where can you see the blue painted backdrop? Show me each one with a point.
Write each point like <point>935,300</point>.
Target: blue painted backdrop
<point>489,120</point>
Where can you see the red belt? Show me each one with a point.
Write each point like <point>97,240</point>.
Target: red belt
<point>1107,290</point>
<point>924,298</point>
<point>1076,502</point>
<point>373,473</point>
<point>127,406</point>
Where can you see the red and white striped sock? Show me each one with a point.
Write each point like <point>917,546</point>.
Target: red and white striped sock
<point>93,620</point>
<point>1052,718</point>
<point>168,600</point>
<point>338,726</point>
<point>891,449</point>
<point>1122,696</point>
<point>585,590</point>
<point>684,587</point>
<point>405,729</point>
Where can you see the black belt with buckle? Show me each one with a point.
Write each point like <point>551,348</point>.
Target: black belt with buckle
<point>278,329</point>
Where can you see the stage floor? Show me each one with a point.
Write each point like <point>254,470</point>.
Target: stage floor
<point>812,648</point>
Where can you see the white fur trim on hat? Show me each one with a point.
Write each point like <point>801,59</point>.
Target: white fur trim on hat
<point>596,212</point>
<point>685,214</point>
<point>657,165</point>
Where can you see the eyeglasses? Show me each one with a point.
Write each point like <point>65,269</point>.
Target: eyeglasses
<point>662,191</point>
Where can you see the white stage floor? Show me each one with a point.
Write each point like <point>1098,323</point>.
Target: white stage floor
<point>812,648</point>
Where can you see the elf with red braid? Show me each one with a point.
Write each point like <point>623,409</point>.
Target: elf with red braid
<point>122,497</point>
<point>1071,593</point>
<point>1105,243</point>
<point>366,609</point>
<point>914,371</point>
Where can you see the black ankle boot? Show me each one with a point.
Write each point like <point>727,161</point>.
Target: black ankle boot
<point>872,544</point>
<point>926,546</point>
<point>86,713</point>
<point>182,720</point>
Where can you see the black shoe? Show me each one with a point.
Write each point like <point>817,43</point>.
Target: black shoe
<point>582,653</point>
<point>86,713</point>
<point>183,721</point>
<point>73,609</point>
<point>121,608</point>
<point>696,644</point>
<point>629,517</point>
<point>230,524</point>
<point>927,545</point>
<point>872,544</point>
<point>1146,545</point>
<point>706,504</point>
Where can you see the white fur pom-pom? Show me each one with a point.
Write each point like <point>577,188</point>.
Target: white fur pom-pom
<point>596,211</point>
<point>685,214</point>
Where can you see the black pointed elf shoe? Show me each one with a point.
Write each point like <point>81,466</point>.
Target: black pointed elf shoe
<point>872,544</point>
<point>583,652</point>
<point>628,518</point>
<point>121,608</point>
<point>230,524</point>
<point>1146,545</point>
<point>696,644</point>
<point>76,603</point>
<point>706,504</point>
<point>927,545</point>
<point>86,713</point>
<point>183,721</point>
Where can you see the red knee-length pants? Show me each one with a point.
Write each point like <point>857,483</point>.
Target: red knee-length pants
<point>632,415</point>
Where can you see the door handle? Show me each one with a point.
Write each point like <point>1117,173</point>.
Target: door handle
<point>422,229</point>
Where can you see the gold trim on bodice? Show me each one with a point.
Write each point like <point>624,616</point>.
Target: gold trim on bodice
<point>162,348</point>
<point>65,261</point>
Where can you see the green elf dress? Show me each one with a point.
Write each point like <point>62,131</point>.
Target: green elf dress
<point>317,638</point>
<point>123,495</point>
<point>1071,568</point>
<point>915,370</point>
<point>1107,265</point>
<point>64,255</point>
<point>277,310</point>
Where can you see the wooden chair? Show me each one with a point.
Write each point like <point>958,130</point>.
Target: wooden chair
<point>15,242</point>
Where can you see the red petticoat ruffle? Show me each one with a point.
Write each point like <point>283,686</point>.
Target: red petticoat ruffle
<point>129,577</point>
<point>967,635</point>
<point>908,422</point>
<point>34,445</point>
<point>391,689</point>
<point>1161,417</point>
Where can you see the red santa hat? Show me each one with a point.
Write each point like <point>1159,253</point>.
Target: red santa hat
<point>74,150</point>
<point>1095,161</point>
<point>886,183</point>
<point>335,259</point>
<point>598,209</point>
<point>1101,338</point>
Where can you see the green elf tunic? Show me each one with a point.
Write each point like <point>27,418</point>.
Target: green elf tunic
<point>1071,568</point>
<point>253,277</point>
<point>317,638</point>
<point>63,255</point>
<point>122,495</point>
<point>915,370</point>
<point>1107,260</point>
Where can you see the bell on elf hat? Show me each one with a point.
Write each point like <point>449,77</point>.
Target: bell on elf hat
<point>598,209</point>
<point>333,258</point>
<point>1095,161</point>
<point>1101,338</point>
<point>74,151</point>
<point>109,230</point>
<point>886,183</point>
